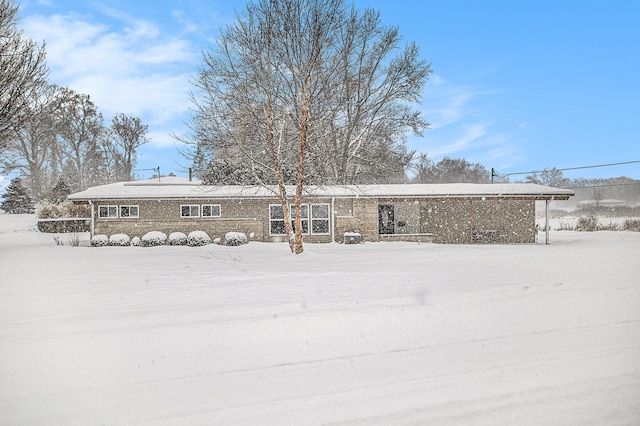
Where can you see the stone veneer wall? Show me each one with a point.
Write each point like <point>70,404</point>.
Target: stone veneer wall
<point>470,221</point>
<point>444,220</point>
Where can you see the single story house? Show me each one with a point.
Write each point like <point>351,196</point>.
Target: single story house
<point>442,213</point>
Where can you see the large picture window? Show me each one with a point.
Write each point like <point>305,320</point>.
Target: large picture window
<point>190,210</point>
<point>105,212</point>
<point>313,217</point>
<point>211,210</point>
<point>129,211</point>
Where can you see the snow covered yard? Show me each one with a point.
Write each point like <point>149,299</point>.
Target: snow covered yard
<point>378,333</point>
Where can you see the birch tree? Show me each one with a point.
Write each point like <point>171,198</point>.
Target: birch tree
<point>308,85</point>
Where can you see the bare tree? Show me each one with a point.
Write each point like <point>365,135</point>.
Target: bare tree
<point>81,133</point>
<point>30,147</point>
<point>22,72</point>
<point>449,170</point>
<point>369,110</point>
<point>549,177</point>
<point>128,134</point>
<point>273,92</point>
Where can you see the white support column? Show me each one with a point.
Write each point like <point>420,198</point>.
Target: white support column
<point>546,221</point>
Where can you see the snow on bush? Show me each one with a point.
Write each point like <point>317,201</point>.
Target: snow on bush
<point>154,238</point>
<point>235,239</point>
<point>177,239</point>
<point>198,238</point>
<point>136,242</point>
<point>99,241</point>
<point>121,240</point>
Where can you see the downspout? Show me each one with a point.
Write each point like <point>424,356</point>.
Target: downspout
<point>332,218</point>
<point>93,220</point>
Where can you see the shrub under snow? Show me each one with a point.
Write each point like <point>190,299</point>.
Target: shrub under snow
<point>154,238</point>
<point>235,239</point>
<point>136,242</point>
<point>177,239</point>
<point>99,241</point>
<point>198,238</point>
<point>121,240</point>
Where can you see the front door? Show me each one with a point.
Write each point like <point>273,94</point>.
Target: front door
<point>385,219</point>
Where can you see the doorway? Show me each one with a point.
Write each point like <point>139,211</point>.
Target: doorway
<point>386,219</point>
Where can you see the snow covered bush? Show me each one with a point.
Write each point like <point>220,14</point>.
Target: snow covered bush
<point>136,242</point>
<point>198,238</point>
<point>154,238</point>
<point>99,241</point>
<point>121,240</point>
<point>587,224</point>
<point>177,239</point>
<point>235,239</point>
<point>631,225</point>
<point>49,211</point>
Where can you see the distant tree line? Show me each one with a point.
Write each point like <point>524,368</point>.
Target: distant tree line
<point>53,135</point>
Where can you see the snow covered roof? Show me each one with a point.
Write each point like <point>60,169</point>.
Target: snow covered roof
<point>172,187</point>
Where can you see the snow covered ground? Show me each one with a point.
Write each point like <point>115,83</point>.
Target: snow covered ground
<point>377,333</point>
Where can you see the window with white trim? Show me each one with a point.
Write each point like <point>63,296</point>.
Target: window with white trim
<point>317,223</point>
<point>107,212</point>
<point>304,217</point>
<point>320,218</point>
<point>129,212</point>
<point>190,210</point>
<point>276,220</point>
<point>211,210</point>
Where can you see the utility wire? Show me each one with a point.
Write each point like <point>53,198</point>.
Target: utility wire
<point>567,168</point>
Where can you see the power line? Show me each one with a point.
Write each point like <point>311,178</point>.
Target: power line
<point>602,186</point>
<point>494,174</point>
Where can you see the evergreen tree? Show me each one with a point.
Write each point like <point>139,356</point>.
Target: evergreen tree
<point>17,198</point>
<point>59,192</point>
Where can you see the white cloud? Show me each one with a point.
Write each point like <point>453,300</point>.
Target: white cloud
<point>133,69</point>
<point>445,104</point>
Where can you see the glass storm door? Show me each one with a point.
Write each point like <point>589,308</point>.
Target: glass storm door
<point>385,219</point>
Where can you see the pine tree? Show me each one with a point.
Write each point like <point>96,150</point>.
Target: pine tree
<point>59,192</point>
<point>17,199</point>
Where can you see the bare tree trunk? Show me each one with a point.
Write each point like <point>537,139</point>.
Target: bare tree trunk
<point>304,116</point>
<point>282,190</point>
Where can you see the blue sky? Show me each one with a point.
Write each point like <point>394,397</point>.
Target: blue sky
<point>516,85</point>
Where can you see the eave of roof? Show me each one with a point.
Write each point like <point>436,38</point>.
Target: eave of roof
<point>179,188</point>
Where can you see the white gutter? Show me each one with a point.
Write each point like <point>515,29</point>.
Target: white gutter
<point>332,219</point>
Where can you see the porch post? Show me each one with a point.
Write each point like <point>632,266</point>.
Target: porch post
<point>546,221</point>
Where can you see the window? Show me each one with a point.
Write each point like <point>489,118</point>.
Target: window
<point>319,218</point>
<point>276,220</point>
<point>129,211</point>
<point>211,210</point>
<point>107,211</point>
<point>304,217</point>
<point>192,210</point>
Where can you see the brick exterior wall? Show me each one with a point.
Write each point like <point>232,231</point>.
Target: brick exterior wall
<point>470,221</point>
<point>442,220</point>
